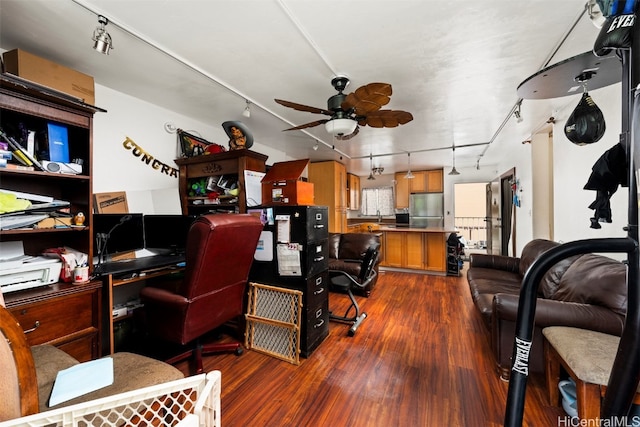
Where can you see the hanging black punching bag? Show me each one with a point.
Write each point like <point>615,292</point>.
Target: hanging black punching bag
<point>586,123</point>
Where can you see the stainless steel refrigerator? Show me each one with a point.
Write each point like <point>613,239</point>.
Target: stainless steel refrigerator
<point>426,210</point>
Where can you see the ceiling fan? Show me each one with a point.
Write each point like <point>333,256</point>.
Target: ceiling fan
<point>348,112</point>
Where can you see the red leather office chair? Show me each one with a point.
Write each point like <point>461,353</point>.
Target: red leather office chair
<point>219,253</point>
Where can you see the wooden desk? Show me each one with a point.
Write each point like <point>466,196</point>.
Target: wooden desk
<point>111,283</point>
<point>64,315</point>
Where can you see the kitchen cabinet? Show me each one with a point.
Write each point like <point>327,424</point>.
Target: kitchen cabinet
<point>353,191</point>
<point>402,191</point>
<point>414,249</point>
<point>229,166</point>
<point>429,181</point>
<point>419,183</point>
<point>329,179</point>
<point>434,181</point>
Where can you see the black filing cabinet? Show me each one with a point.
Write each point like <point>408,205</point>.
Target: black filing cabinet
<point>293,253</point>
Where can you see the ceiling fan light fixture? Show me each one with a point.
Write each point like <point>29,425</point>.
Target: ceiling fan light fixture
<point>102,39</point>
<point>337,127</point>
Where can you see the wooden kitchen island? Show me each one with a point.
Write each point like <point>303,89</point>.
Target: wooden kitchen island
<point>415,248</point>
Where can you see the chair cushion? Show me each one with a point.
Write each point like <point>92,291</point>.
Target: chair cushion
<point>48,361</point>
<point>131,372</point>
<point>589,354</point>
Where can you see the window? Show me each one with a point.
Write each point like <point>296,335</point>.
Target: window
<point>377,201</point>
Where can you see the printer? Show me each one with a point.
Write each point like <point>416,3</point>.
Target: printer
<point>33,272</point>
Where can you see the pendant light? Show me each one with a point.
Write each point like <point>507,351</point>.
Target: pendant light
<point>453,170</point>
<point>371,167</point>
<point>409,175</point>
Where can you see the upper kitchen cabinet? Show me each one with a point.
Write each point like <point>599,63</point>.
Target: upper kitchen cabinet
<point>353,192</point>
<point>429,181</point>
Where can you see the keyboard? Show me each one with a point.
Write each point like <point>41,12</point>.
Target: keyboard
<point>139,264</point>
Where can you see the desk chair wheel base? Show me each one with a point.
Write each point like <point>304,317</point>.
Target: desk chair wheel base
<point>340,283</point>
<point>344,282</point>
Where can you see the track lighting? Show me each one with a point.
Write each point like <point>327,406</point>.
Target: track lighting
<point>102,39</point>
<point>518,113</point>
<point>595,14</point>
<point>247,110</point>
<point>453,170</point>
<point>409,175</point>
<point>315,146</point>
<point>371,177</point>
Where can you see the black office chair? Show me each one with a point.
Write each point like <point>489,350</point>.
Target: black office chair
<point>342,281</point>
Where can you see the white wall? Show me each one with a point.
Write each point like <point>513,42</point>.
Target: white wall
<point>571,170</point>
<point>115,168</point>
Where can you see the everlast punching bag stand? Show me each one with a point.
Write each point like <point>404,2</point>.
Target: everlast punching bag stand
<point>621,64</point>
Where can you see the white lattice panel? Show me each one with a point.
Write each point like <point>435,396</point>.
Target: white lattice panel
<point>174,403</point>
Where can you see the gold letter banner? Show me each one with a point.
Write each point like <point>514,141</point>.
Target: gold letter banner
<point>147,158</point>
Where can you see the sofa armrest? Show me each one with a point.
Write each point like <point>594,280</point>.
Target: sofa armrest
<point>498,262</point>
<point>560,313</point>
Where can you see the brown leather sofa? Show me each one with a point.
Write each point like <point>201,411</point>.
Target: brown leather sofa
<point>347,251</point>
<point>584,291</point>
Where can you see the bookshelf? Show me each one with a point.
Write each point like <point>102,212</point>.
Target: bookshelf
<point>229,164</point>
<point>33,107</point>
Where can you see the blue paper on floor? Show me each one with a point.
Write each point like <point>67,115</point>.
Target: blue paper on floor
<point>81,379</point>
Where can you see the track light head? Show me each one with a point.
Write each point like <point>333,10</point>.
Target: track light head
<point>102,39</point>
<point>247,110</point>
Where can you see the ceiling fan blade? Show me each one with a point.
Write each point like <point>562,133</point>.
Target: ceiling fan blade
<point>368,98</point>
<point>308,125</point>
<point>351,135</point>
<point>305,108</point>
<point>385,119</point>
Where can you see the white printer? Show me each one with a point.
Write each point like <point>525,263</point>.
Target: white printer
<point>27,273</point>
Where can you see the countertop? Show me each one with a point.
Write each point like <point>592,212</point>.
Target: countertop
<point>416,229</point>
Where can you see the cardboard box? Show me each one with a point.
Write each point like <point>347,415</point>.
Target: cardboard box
<point>48,73</point>
<point>283,185</point>
<point>115,202</point>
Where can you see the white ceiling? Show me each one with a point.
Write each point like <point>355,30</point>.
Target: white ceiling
<point>455,65</point>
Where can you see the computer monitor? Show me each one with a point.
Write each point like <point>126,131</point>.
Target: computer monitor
<point>115,233</point>
<point>167,233</point>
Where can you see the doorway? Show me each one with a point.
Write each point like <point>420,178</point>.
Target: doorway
<point>469,219</point>
<point>500,215</point>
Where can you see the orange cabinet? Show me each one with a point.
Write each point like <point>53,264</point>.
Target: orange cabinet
<point>353,190</point>
<point>414,250</point>
<point>429,181</point>
<point>330,189</point>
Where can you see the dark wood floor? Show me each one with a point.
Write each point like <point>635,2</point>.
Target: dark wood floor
<point>421,358</point>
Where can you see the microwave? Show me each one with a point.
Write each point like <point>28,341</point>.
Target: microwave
<point>402,219</point>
